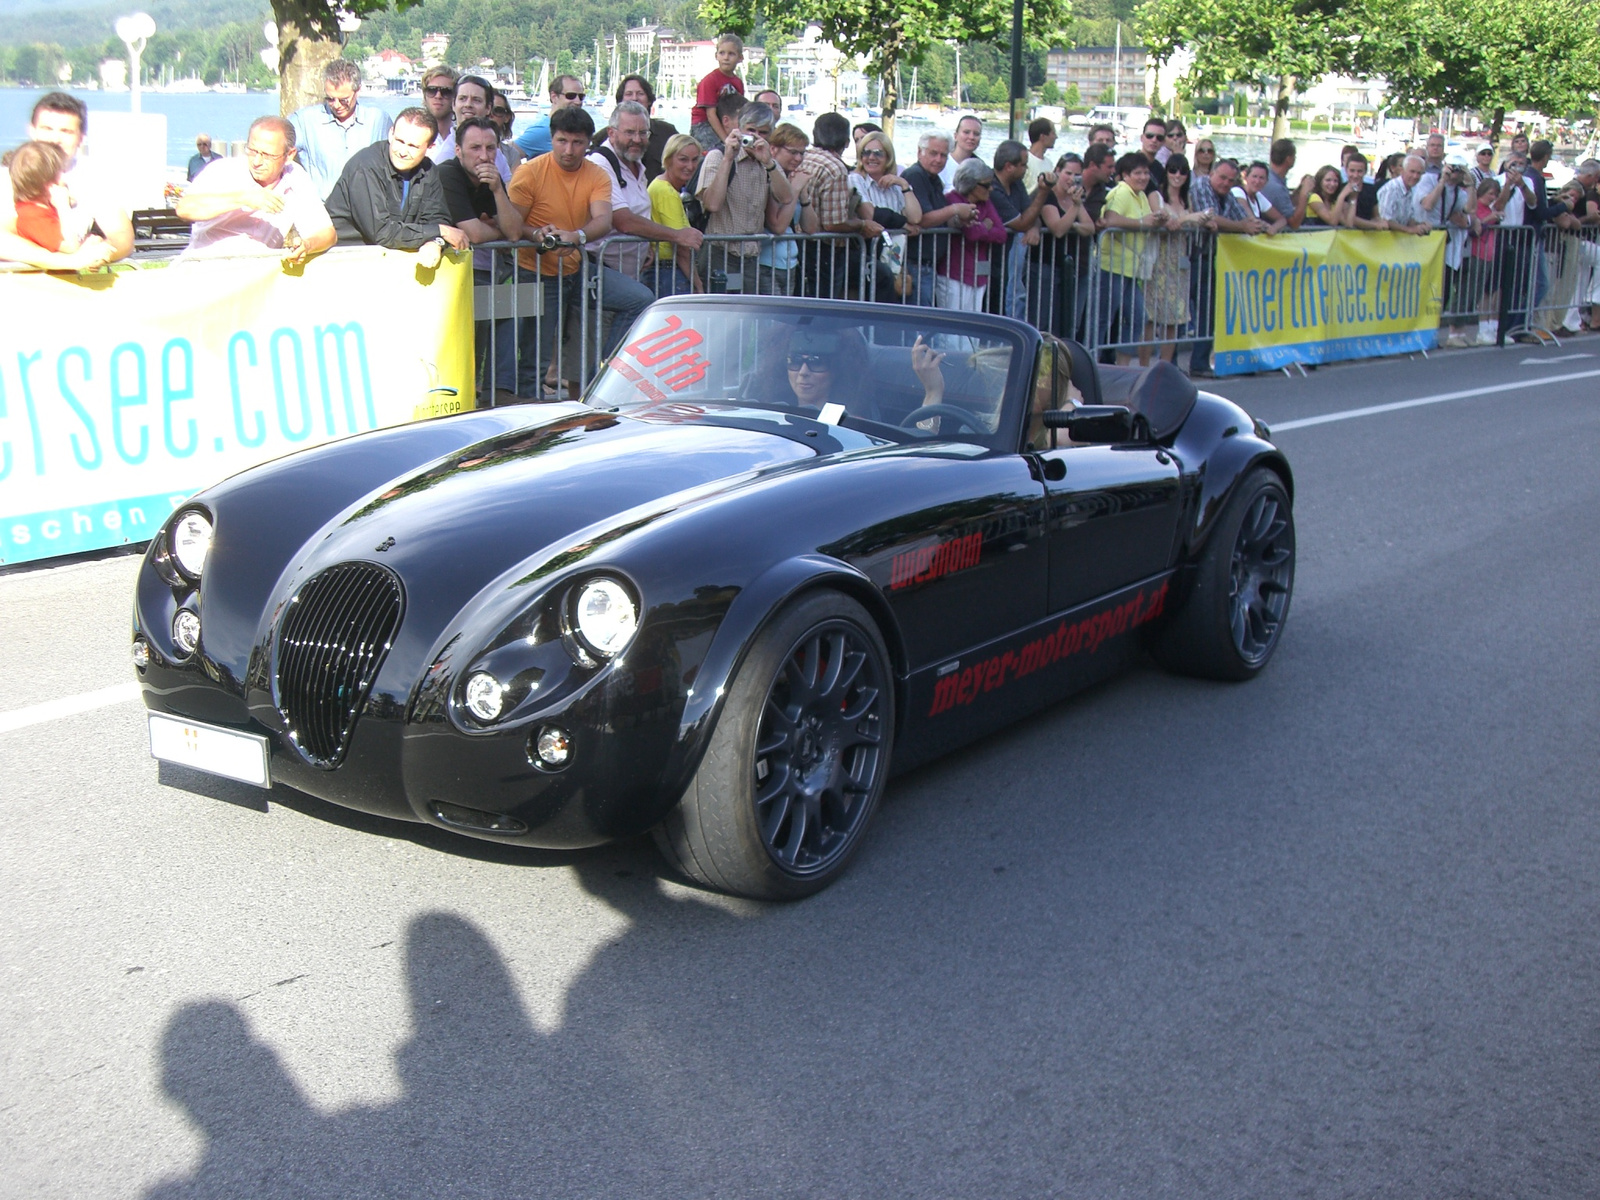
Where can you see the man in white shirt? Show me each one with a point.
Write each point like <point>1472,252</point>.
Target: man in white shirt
<point>261,202</point>
<point>1041,140</point>
<point>63,121</point>
<point>622,157</point>
<point>1400,201</point>
<point>474,97</point>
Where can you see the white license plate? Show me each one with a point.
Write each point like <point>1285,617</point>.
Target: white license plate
<point>241,756</point>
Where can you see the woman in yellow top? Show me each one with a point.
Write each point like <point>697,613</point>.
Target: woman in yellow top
<point>1123,264</point>
<point>672,273</point>
<point>1316,202</point>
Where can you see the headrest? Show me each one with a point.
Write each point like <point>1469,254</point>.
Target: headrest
<point>1164,395</point>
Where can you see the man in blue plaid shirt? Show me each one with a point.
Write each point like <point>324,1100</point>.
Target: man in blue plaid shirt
<point>1213,194</point>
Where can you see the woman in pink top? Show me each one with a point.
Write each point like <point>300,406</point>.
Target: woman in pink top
<point>964,277</point>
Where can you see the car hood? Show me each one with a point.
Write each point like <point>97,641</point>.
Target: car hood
<point>453,526</point>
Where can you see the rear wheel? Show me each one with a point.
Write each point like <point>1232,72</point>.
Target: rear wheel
<point>1230,623</point>
<point>798,760</point>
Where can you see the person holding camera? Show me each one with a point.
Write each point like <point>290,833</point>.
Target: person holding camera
<point>1064,267</point>
<point>737,180</point>
<point>1449,204</point>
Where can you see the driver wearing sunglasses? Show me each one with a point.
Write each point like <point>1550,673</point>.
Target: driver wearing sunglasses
<point>827,367</point>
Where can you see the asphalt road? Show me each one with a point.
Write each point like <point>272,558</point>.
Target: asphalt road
<point>1331,933</point>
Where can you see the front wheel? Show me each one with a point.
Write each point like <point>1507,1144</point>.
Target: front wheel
<point>798,759</point>
<point>1230,623</point>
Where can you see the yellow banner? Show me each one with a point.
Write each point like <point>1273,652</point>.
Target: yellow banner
<point>123,394</point>
<point>1325,296</point>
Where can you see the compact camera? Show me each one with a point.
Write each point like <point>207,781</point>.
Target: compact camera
<point>551,242</point>
<point>747,139</point>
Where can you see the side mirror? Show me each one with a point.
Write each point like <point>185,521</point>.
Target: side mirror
<point>1100,423</point>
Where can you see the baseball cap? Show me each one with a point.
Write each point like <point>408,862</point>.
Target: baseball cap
<point>1486,147</point>
<point>1456,160</point>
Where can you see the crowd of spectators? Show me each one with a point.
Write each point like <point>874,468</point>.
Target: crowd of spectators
<point>1106,247</point>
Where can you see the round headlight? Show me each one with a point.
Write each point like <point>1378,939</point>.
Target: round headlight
<point>191,541</point>
<point>606,616</point>
<point>186,631</point>
<point>485,696</point>
<point>141,653</point>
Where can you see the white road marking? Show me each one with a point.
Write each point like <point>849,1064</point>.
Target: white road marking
<point>1351,414</point>
<point>67,706</point>
<point>1539,362</point>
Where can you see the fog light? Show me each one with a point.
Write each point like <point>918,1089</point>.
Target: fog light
<point>186,631</point>
<point>485,696</point>
<point>553,746</point>
<point>141,653</point>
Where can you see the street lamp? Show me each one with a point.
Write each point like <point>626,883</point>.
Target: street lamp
<point>135,30</point>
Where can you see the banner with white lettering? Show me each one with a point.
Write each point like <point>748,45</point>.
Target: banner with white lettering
<point>1325,296</point>
<point>123,394</point>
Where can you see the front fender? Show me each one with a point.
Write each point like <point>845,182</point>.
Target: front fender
<point>747,615</point>
<point>1227,444</point>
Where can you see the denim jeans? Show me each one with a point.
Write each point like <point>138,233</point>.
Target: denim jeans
<point>1121,300</point>
<point>538,334</point>
<point>1016,302</point>
<point>665,279</point>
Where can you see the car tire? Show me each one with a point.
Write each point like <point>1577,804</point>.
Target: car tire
<point>1232,619</point>
<point>798,760</point>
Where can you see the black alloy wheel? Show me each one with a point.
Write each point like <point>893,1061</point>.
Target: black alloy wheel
<point>819,748</point>
<point>1262,574</point>
<point>1231,618</point>
<point>797,761</point>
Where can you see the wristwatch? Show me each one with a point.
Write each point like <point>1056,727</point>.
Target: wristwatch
<point>441,243</point>
<point>583,238</point>
<point>770,167</point>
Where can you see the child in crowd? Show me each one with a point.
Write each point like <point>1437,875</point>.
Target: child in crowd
<point>705,126</point>
<point>39,195</point>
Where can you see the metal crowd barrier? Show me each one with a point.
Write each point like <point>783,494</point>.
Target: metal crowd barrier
<point>1123,294</point>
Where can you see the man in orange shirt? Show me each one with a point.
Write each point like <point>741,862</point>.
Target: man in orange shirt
<point>561,196</point>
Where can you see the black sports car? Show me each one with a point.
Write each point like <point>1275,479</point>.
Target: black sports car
<point>783,547</point>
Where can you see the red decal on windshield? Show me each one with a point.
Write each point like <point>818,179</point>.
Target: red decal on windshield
<point>661,344</point>
<point>638,380</point>
<point>1081,637</point>
<point>927,563</point>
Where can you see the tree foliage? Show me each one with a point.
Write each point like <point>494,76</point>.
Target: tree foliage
<point>1491,55</point>
<point>891,34</point>
<point>1243,40</point>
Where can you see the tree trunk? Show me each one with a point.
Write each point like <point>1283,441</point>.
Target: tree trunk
<point>891,94</point>
<point>308,40</point>
<point>1494,129</point>
<point>1280,106</point>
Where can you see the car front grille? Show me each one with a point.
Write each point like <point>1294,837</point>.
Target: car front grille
<point>333,639</point>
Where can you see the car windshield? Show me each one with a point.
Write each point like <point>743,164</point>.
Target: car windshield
<point>906,375</point>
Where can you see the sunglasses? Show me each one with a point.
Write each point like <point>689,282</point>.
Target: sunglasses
<point>873,154</point>
<point>502,112</point>
<point>1176,171</point>
<point>1481,153</point>
<point>1156,137</point>
<point>817,362</point>
<point>440,91</point>
<point>574,95</point>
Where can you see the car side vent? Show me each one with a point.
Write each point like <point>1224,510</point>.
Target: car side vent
<point>332,641</point>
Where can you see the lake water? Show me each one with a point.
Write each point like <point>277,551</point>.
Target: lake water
<point>227,116</point>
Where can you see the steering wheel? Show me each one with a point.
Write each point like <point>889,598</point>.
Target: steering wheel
<point>965,419</point>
